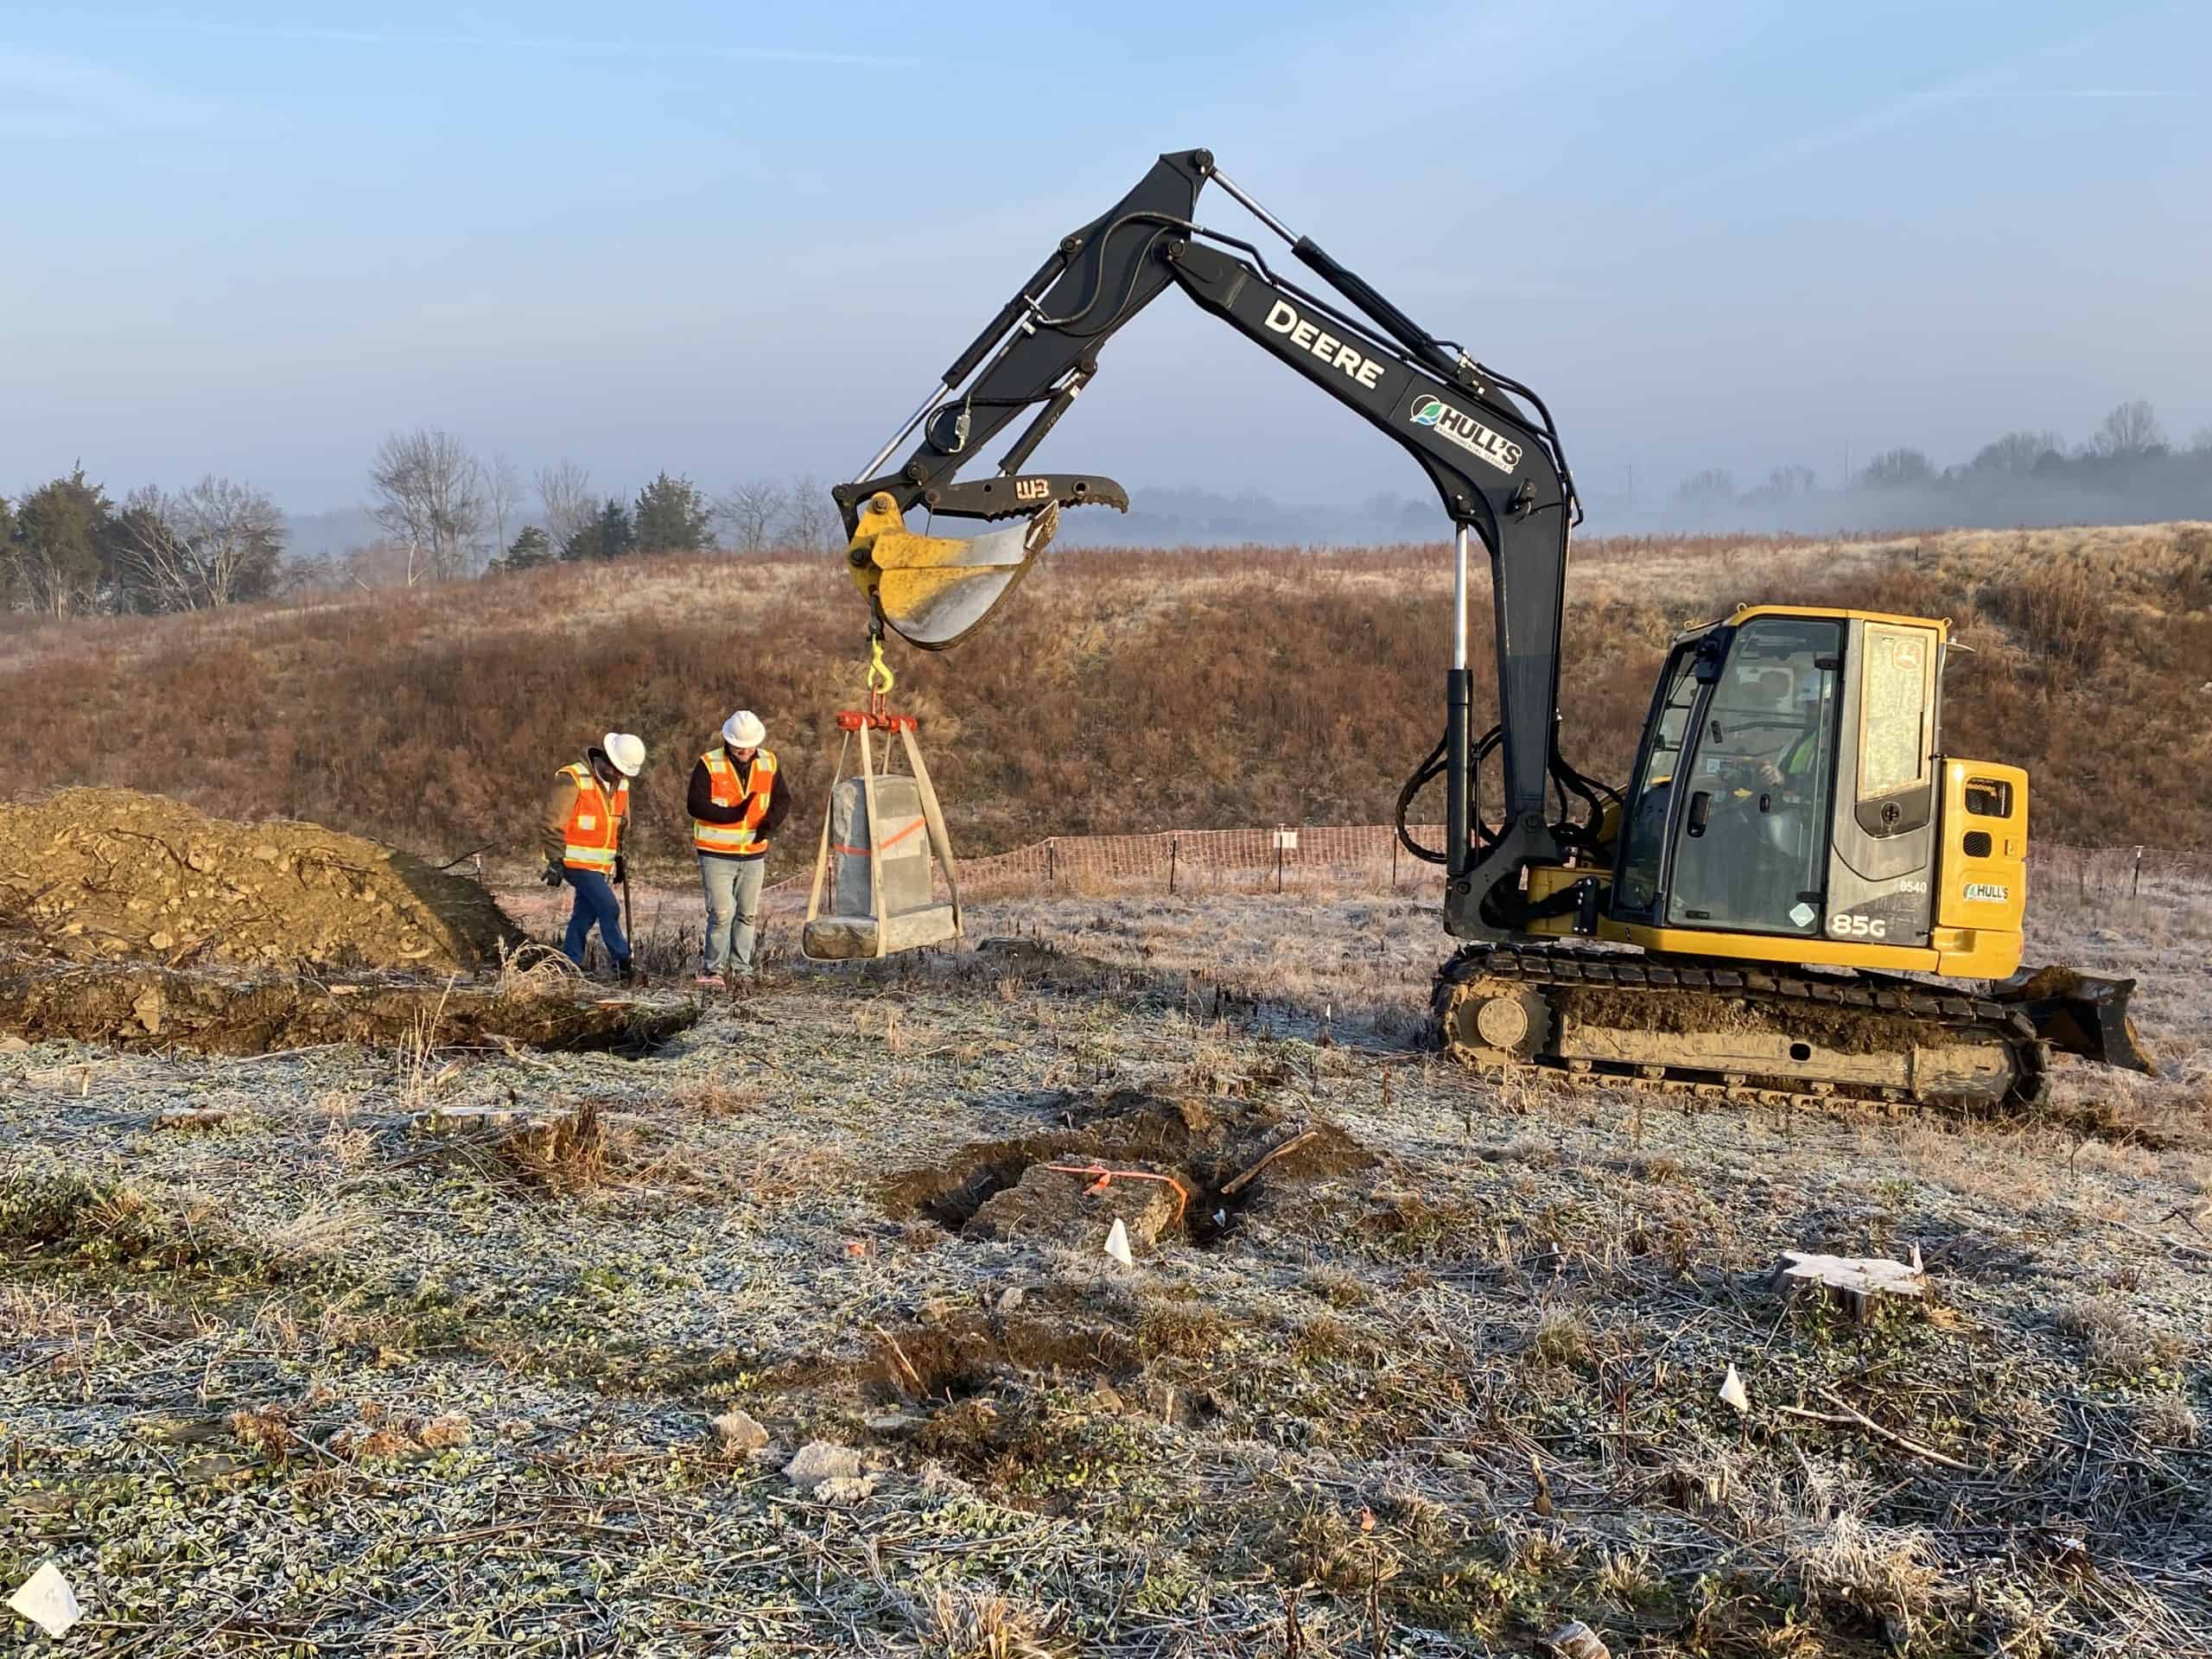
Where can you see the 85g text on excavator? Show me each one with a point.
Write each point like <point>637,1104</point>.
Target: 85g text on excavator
<point>1799,892</point>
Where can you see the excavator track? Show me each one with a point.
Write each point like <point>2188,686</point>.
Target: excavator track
<point>1754,1032</point>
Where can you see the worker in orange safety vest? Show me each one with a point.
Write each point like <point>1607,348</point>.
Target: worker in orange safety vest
<point>582,830</point>
<point>738,800</point>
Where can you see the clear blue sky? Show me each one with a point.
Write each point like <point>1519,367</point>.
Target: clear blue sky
<point>737,239</point>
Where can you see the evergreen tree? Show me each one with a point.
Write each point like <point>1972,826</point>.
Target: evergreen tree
<point>531,547</point>
<point>672,516</point>
<point>609,536</point>
<point>59,551</point>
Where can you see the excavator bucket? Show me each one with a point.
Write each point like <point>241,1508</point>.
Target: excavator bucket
<point>934,591</point>
<point>2079,1014</point>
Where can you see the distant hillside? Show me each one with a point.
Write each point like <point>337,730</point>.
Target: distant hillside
<point>1124,691</point>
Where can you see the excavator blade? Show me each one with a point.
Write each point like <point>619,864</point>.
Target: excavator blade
<point>934,591</point>
<point>2080,1013</point>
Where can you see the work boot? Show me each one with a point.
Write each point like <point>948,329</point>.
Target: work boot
<point>626,972</point>
<point>708,982</point>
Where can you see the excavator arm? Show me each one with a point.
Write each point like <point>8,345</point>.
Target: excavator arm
<point>1499,473</point>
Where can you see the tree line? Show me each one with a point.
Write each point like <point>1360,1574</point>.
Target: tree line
<point>2129,450</point>
<point>449,512</point>
<point>68,548</point>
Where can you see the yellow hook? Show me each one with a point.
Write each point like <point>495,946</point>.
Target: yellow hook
<point>879,677</point>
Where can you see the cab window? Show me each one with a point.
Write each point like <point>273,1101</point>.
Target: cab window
<point>1895,702</point>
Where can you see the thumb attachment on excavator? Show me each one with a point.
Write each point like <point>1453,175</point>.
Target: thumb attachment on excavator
<point>934,591</point>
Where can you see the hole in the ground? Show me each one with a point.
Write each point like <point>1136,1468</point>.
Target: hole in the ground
<point>1801,1050</point>
<point>1167,1169</point>
<point>950,1363</point>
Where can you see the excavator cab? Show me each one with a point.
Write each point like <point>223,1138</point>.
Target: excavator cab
<point>1790,802</point>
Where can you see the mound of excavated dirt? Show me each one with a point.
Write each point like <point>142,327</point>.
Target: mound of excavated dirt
<point>94,874</point>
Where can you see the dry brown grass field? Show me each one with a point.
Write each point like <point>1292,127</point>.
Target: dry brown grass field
<point>450,1342</point>
<point>1117,690</point>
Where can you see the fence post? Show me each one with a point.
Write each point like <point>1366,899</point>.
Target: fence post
<point>1278,858</point>
<point>1394,862</point>
<point>1173,842</point>
<point>1051,863</point>
<point>2135,889</point>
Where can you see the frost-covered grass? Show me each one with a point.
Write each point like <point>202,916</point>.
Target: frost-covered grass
<point>310,1380</point>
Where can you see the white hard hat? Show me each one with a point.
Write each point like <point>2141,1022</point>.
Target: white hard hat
<point>743,730</point>
<point>627,752</point>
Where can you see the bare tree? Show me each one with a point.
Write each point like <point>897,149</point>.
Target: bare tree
<point>1897,469</point>
<point>809,522</point>
<point>2200,443</point>
<point>2131,429</point>
<point>428,493</point>
<point>564,500</point>
<point>1707,488</point>
<point>502,496</point>
<point>2016,453</point>
<point>216,543</point>
<point>750,513</point>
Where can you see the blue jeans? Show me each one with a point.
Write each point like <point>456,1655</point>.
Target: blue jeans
<point>733,889</point>
<point>595,903</point>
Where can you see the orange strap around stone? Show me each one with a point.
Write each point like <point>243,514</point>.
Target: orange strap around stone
<point>1107,1177</point>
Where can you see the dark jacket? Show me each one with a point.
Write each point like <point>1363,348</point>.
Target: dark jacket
<point>701,804</point>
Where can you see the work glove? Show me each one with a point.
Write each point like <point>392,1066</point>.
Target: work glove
<point>552,875</point>
<point>621,869</point>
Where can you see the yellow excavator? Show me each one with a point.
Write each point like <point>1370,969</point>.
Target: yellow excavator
<point>1800,892</point>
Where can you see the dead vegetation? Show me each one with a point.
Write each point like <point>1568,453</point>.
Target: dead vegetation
<point>1218,669</point>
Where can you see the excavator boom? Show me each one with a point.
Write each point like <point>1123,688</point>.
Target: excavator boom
<point>1499,472</point>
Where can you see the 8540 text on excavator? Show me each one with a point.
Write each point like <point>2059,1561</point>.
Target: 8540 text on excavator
<point>1799,891</point>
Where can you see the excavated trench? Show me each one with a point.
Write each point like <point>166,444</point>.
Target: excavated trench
<point>137,1007</point>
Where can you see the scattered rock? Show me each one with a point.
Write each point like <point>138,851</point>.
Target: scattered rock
<point>739,1431</point>
<point>47,1600</point>
<point>822,1460</point>
<point>1576,1640</point>
<point>1010,1298</point>
<point>12,1044</point>
<point>844,1489</point>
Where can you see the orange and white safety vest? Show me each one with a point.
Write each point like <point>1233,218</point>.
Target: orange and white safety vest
<point>744,836</point>
<point>594,832</point>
